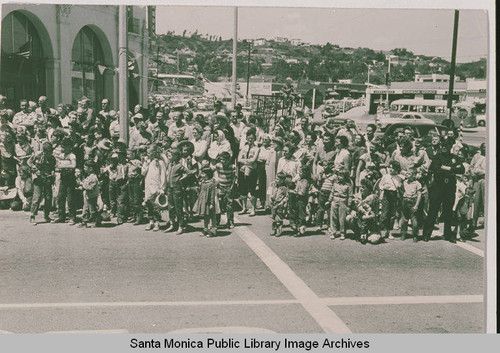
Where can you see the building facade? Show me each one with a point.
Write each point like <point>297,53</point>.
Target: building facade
<point>462,91</point>
<point>68,51</point>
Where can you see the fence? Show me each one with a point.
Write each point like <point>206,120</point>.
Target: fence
<point>268,108</point>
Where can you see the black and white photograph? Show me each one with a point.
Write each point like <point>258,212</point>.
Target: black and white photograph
<point>244,170</point>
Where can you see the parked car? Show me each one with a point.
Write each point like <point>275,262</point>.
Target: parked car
<point>481,120</point>
<point>387,120</point>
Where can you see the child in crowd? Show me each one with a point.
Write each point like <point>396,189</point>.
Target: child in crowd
<point>302,198</point>
<point>136,186</point>
<point>340,199</point>
<point>176,173</point>
<point>412,194</point>
<point>365,206</point>
<point>326,180</point>
<point>278,192</point>
<point>207,204</point>
<point>154,171</point>
<point>89,183</point>
<point>464,208</point>
<point>390,188</point>
<point>225,176</point>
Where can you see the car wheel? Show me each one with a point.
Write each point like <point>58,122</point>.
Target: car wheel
<point>481,123</point>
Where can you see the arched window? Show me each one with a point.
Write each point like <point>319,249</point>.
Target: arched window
<point>85,77</point>
<point>23,66</point>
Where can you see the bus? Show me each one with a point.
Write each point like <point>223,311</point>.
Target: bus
<point>435,110</point>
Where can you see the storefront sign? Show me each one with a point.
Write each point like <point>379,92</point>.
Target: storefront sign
<point>420,91</point>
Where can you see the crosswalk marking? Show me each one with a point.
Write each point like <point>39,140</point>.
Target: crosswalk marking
<point>470,248</point>
<point>324,316</point>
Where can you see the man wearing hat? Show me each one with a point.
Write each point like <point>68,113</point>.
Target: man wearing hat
<point>66,165</point>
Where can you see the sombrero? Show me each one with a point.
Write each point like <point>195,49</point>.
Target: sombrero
<point>186,143</point>
<point>161,201</point>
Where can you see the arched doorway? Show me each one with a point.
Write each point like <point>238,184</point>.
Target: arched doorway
<point>23,65</point>
<point>86,80</point>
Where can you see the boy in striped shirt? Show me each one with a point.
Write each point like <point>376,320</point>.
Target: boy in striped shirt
<point>225,176</point>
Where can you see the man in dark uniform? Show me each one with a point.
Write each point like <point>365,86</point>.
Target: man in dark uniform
<point>444,168</point>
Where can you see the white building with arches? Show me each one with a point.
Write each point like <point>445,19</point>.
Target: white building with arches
<point>68,51</point>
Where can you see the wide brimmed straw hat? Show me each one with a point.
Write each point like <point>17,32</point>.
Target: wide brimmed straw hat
<point>161,201</point>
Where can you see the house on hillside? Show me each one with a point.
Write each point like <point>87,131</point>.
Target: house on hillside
<point>259,42</point>
<point>296,41</point>
<point>280,39</point>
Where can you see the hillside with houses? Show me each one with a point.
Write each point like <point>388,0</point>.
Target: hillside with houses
<point>280,58</point>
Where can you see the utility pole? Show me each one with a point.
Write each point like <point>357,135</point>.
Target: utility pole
<point>235,44</point>
<point>248,70</point>
<point>387,80</point>
<point>453,59</point>
<point>123,72</point>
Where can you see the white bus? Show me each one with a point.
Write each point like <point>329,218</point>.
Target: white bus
<point>433,109</point>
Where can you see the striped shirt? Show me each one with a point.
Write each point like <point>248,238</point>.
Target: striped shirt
<point>328,183</point>
<point>225,176</point>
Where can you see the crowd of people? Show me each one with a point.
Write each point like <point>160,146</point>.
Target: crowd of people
<point>178,167</point>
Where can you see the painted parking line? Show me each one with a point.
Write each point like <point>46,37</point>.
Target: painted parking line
<point>430,299</point>
<point>144,304</point>
<point>426,299</point>
<point>324,316</point>
<point>470,248</point>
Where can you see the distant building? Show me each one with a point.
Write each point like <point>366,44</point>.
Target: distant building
<point>476,90</point>
<point>281,39</point>
<point>433,78</point>
<point>347,80</point>
<point>418,90</point>
<point>259,42</point>
<point>70,51</point>
<point>296,41</point>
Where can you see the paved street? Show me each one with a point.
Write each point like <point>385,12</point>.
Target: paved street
<point>57,278</point>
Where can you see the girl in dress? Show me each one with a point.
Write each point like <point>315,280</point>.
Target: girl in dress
<point>207,204</point>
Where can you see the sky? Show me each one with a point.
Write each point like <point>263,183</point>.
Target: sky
<point>424,32</point>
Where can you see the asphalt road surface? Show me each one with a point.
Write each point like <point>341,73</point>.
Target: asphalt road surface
<point>58,278</point>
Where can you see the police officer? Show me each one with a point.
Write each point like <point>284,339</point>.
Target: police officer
<point>444,168</point>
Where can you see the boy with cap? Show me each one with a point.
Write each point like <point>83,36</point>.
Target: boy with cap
<point>66,165</point>
<point>176,173</point>
<point>90,186</point>
<point>43,165</point>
